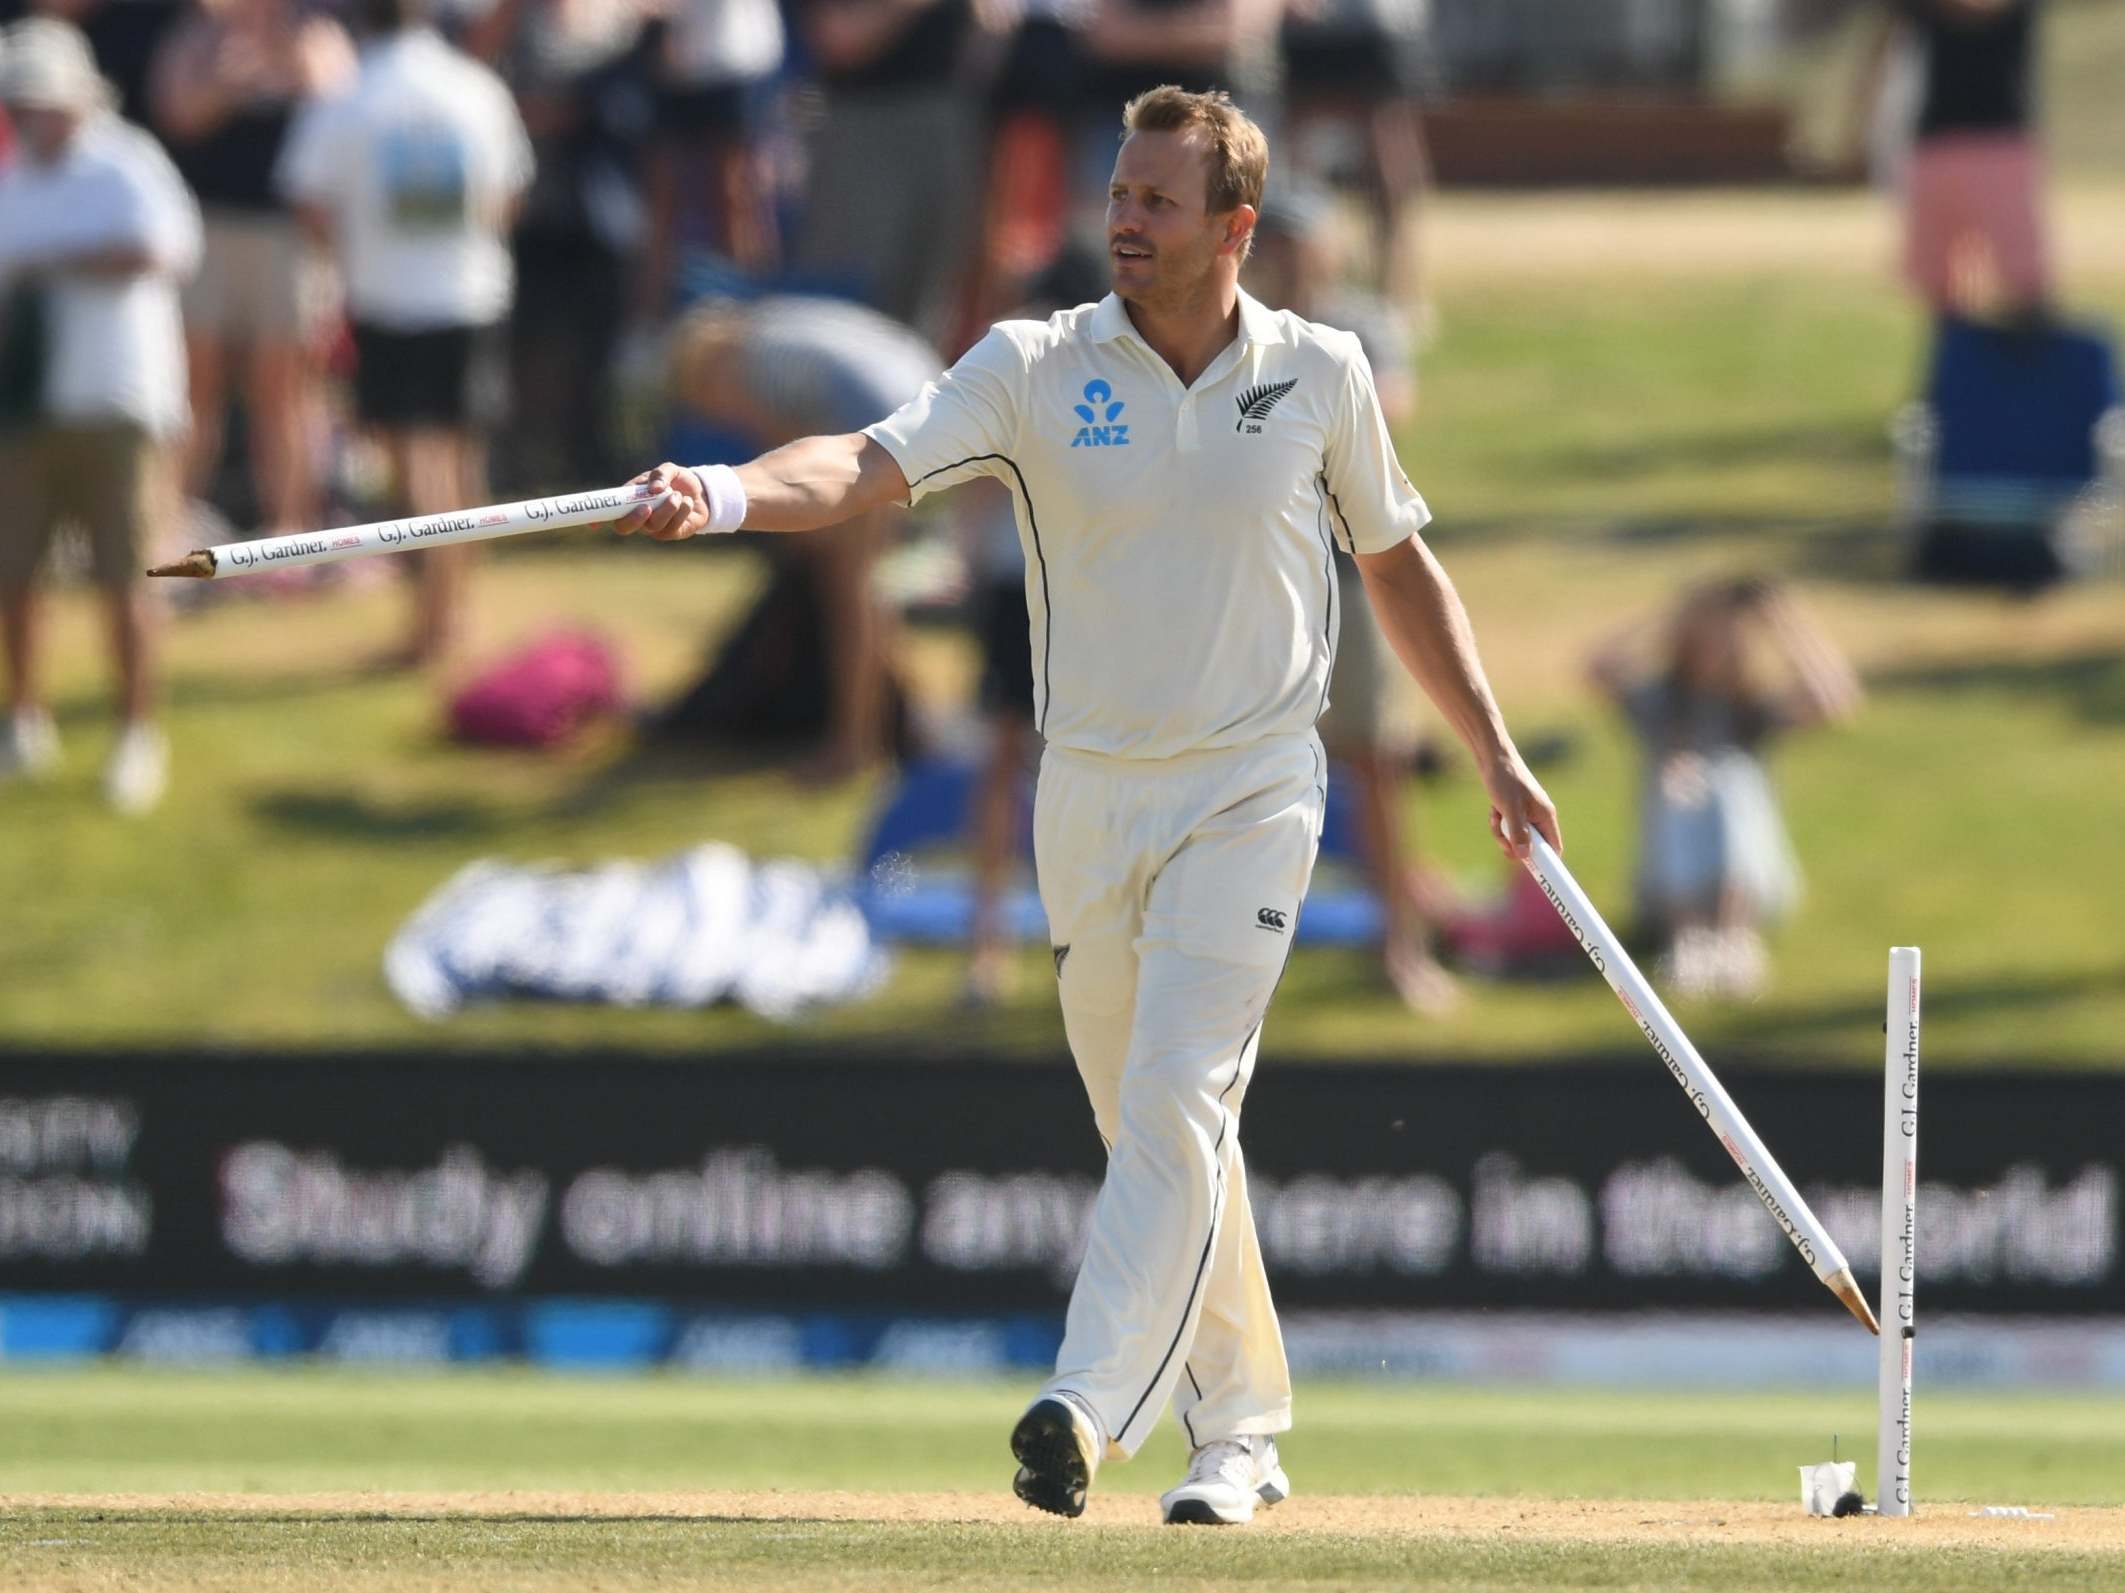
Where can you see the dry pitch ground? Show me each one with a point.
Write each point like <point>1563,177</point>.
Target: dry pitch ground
<point>2095,1528</point>
<point>785,1539</point>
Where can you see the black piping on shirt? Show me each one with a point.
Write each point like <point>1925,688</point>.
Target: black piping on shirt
<point>1349,541</point>
<point>1047,609</point>
<point>1320,521</point>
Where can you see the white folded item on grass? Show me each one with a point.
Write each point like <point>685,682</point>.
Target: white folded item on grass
<point>705,926</point>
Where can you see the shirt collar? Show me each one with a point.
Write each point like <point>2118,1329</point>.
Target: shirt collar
<point>1258,323</point>
<point>1110,320</point>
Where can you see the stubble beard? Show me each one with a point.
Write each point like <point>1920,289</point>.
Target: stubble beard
<point>1173,293</point>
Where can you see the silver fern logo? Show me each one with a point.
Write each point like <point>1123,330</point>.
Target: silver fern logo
<point>1256,403</point>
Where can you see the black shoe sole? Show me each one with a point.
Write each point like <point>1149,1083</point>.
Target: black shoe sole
<point>1052,1474</point>
<point>1195,1513</point>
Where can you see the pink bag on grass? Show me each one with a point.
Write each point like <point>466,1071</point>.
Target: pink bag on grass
<point>539,695</point>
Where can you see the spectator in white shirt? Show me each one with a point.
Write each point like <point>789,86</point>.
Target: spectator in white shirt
<point>96,234</point>
<point>414,177</point>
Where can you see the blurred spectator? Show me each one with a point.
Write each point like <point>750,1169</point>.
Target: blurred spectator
<point>1297,265</point>
<point>1301,262</point>
<point>1974,187</point>
<point>583,83</point>
<point>96,233</point>
<point>227,83</point>
<point>414,176</point>
<point>1034,109</point>
<point>715,63</point>
<point>123,37</point>
<point>1512,932</point>
<point>777,369</point>
<point>1360,64</point>
<point>894,162</point>
<point>1714,863</point>
<point>1135,45</point>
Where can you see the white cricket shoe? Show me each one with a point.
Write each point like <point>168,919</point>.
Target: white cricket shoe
<point>29,746</point>
<point>139,770</point>
<point>1225,1481</point>
<point>1058,1445</point>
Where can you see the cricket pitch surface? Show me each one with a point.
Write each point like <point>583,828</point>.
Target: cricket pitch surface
<point>355,1542</point>
<point>1602,1520</point>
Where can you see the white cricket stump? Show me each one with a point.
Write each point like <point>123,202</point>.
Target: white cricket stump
<point>484,523</point>
<point>1707,1095</point>
<point>1899,1233</point>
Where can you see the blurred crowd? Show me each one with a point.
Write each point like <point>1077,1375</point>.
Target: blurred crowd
<point>267,265</point>
<point>289,263</point>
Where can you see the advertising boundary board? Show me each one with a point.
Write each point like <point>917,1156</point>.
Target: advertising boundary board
<point>800,1185</point>
<point>1726,1351</point>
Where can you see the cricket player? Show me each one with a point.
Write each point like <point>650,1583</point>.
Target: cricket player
<point>1181,460</point>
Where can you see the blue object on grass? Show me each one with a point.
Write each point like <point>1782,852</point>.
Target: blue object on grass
<point>2020,406</point>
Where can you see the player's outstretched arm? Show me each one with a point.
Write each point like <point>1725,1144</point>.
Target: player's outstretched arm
<point>801,486</point>
<point>1422,617</point>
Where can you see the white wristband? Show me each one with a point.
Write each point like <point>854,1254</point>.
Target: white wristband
<point>726,498</point>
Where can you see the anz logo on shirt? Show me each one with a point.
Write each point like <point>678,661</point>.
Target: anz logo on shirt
<point>1100,413</point>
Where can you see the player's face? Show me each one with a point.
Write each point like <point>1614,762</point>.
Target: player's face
<point>1162,240</point>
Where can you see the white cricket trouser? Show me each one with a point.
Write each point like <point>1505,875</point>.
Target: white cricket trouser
<point>1172,888</point>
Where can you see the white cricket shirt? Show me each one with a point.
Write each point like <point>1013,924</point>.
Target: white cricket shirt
<point>1179,541</point>
<point>417,163</point>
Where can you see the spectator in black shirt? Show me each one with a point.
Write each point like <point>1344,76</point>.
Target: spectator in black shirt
<point>584,80</point>
<point>1974,231</point>
<point>893,165</point>
<point>226,84</point>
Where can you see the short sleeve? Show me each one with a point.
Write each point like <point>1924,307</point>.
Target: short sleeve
<point>167,214</point>
<point>961,425</point>
<point>311,170</point>
<point>1375,506</point>
<point>517,165</point>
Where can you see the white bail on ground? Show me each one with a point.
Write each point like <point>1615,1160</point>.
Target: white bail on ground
<point>1824,1483</point>
<point>1758,1169</point>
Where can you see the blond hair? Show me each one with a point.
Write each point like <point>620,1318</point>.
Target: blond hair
<point>1238,153</point>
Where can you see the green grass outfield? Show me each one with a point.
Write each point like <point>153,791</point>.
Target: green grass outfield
<point>1628,391</point>
<point>124,1478</point>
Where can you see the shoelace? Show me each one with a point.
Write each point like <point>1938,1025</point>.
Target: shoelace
<point>1212,1460</point>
